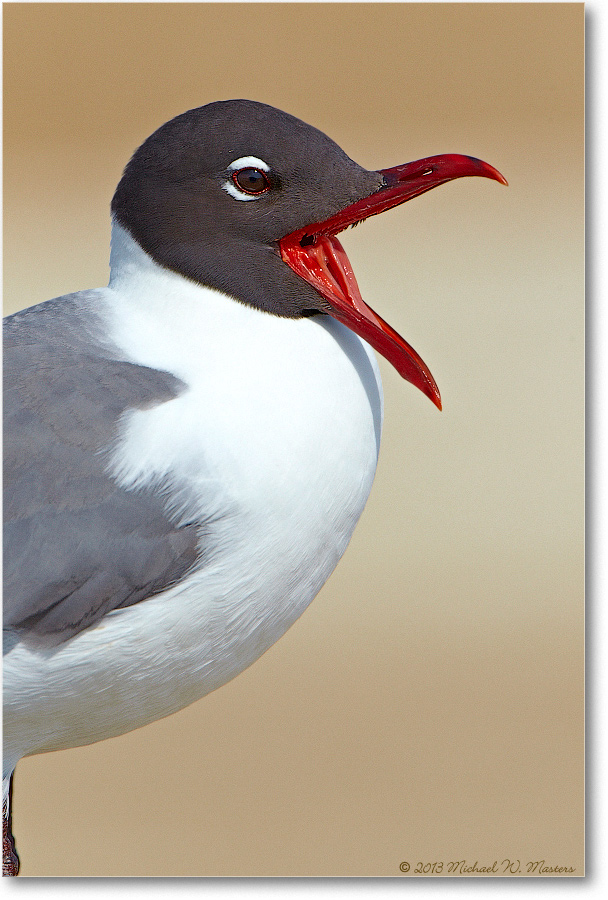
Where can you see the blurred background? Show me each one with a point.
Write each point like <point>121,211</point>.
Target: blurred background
<point>429,704</point>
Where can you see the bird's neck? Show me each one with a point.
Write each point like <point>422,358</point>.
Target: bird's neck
<point>127,259</point>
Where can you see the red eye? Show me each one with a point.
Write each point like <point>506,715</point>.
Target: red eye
<point>251,181</point>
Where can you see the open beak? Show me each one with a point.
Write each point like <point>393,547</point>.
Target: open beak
<point>316,255</point>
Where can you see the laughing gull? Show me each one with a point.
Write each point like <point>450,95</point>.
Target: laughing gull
<point>189,449</point>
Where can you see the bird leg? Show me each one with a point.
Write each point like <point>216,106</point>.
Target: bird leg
<point>10,860</point>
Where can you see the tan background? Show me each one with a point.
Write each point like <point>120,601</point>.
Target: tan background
<point>428,706</point>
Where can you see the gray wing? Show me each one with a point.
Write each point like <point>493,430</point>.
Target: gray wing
<point>76,545</point>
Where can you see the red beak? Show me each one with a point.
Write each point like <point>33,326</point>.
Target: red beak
<point>316,255</point>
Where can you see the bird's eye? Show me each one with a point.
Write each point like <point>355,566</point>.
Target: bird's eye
<point>252,181</point>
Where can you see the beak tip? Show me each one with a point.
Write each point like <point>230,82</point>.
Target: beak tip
<point>496,175</point>
<point>431,391</point>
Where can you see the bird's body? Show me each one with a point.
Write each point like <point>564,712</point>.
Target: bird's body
<point>188,451</point>
<point>274,462</point>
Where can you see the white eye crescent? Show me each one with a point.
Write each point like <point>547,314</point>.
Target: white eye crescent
<point>247,178</point>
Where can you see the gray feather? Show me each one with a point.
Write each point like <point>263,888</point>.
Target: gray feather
<point>76,545</point>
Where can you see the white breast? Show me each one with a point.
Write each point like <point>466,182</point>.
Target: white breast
<point>275,440</point>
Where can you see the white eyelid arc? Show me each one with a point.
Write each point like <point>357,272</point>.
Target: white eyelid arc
<point>244,162</point>
<point>248,162</point>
